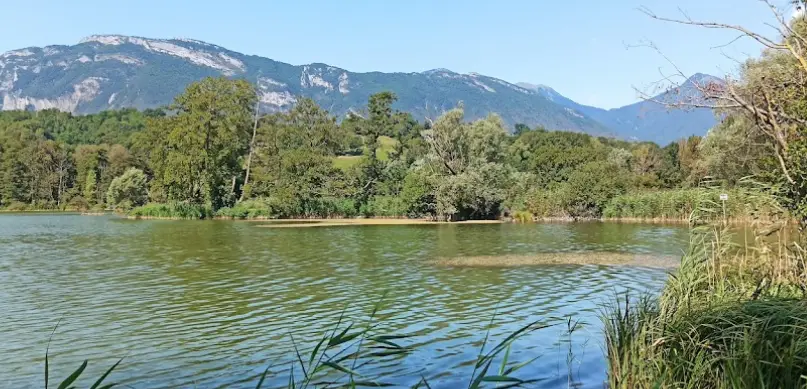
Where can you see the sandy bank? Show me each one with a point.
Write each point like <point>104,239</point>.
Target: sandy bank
<point>583,258</point>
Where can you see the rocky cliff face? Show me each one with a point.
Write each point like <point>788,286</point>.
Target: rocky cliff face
<point>114,71</point>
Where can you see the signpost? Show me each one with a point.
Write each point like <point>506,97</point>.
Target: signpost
<point>723,198</point>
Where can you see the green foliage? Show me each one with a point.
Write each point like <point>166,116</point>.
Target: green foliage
<point>545,204</point>
<point>249,209</point>
<point>196,152</point>
<point>90,186</point>
<point>385,206</point>
<point>590,188</point>
<point>743,203</point>
<point>171,211</point>
<point>523,216</point>
<point>417,195</point>
<point>304,163</point>
<point>128,190</point>
<point>470,176</point>
<point>553,156</point>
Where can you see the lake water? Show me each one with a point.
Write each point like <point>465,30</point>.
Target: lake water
<point>211,304</point>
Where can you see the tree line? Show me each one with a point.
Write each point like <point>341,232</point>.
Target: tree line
<point>212,148</point>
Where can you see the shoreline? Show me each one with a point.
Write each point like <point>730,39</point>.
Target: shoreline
<point>341,221</point>
<point>300,223</point>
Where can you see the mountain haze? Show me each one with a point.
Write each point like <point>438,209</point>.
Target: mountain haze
<point>114,71</point>
<point>645,120</point>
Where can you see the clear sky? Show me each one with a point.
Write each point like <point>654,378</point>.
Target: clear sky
<point>580,48</point>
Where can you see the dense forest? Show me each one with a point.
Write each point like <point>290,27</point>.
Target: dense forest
<point>211,150</point>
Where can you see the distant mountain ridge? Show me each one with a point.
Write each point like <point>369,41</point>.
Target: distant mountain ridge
<point>116,71</point>
<point>644,120</point>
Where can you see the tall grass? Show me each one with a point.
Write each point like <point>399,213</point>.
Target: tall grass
<point>679,204</point>
<point>733,316</point>
<point>249,209</point>
<point>171,211</point>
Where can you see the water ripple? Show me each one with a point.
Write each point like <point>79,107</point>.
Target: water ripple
<point>211,304</point>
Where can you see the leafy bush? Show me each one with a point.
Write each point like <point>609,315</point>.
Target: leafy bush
<point>417,195</point>
<point>249,209</point>
<point>590,188</point>
<point>329,207</point>
<point>385,206</point>
<point>289,207</point>
<point>171,211</point>
<point>545,204</point>
<point>79,203</point>
<point>584,196</point>
<point>128,190</point>
<point>17,206</point>
<point>522,216</point>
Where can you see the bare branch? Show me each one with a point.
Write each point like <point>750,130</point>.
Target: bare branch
<point>713,25</point>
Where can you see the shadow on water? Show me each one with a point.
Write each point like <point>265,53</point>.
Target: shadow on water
<point>210,303</point>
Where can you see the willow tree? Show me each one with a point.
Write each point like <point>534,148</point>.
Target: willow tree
<point>467,160</point>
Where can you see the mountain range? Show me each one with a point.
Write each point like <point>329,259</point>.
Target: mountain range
<point>115,71</point>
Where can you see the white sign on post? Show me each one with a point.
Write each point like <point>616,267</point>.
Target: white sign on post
<point>724,197</point>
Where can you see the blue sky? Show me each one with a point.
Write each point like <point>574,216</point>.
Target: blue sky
<point>580,48</point>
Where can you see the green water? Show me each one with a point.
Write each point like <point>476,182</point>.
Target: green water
<point>210,304</point>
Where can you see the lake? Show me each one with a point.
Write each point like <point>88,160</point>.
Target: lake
<point>211,304</point>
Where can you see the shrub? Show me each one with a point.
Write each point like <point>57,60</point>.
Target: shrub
<point>128,190</point>
<point>385,206</point>
<point>417,195</point>
<point>249,209</point>
<point>522,216</point>
<point>17,206</point>
<point>172,211</point>
<point>329,207</point>
<point>545,204</point>
<point>589,189</point>
<point>79,203</point>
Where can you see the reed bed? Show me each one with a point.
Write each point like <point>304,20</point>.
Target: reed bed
<point>183,211</point>
<point>743,204</point>
<point>732,316</point>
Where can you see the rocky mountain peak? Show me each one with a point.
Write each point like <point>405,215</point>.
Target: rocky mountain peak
<point>116,71</point>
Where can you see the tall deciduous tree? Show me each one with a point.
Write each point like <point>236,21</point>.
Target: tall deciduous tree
<point>470,177</point>
<point>198,159</point>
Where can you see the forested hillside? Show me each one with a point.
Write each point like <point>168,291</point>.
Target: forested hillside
<point>113,71</point>
<point>209,150</point>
